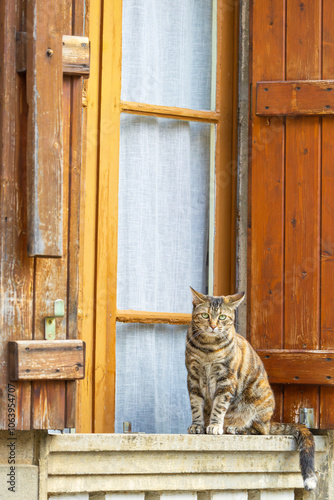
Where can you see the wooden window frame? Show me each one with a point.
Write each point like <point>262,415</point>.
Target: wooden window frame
<point>107,89</point>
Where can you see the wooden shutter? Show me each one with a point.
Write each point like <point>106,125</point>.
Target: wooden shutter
<point>291,207</point>
<point>40,161</point>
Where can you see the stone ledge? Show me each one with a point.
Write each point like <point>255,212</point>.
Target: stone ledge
<point>174,482</point>
<point>168,462</point>
<point>175,442</point>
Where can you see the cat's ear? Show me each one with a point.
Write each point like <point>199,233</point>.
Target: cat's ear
<point>233,301</point>
<point>198,298</point>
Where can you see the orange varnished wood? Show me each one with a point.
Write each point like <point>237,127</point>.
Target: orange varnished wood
<point>302,217</point>
<point>139,108</point>
<point>278,394</point>
<point>151,317</point>
<point>88,233</point>
<point>327,224</point>
<point>224,150</point>
<point>295,98</point>
<point>286,366</point>
<point>266,186</point>
<point>300,396</point>
<point>302,226</point>
<point>107,219</point>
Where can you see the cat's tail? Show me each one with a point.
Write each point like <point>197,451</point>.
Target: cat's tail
<point>305,441</point>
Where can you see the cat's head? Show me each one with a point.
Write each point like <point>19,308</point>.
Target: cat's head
<point>215,315</point>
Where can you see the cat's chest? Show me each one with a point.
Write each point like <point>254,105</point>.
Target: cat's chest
<point>210,373</point>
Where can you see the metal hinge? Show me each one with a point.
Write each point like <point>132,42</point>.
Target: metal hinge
<point>50,321</point>
<point>306,417</point>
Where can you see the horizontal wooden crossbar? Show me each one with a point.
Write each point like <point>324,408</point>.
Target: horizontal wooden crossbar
<point>169,112</point>
<point>75,54</point>
<point>130,316</point>
<point>46,359</point>
<point>298,367</point>
<point>293,98</point>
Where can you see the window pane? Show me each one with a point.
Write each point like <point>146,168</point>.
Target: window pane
<point>163,213</point>
<point>167,52</point>
<point>151,378</point>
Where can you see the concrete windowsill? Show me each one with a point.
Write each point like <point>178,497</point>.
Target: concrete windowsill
<point>169,462</point>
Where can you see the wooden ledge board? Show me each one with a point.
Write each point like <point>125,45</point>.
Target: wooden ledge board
<point>298,366</point>
<point>293,98</point>
<point>46,359</point>
<point>130,316</point>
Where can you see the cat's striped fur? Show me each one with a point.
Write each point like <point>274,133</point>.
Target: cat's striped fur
<point>227,383</point>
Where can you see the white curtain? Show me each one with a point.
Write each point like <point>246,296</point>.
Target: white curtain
<point>167,52</point>
<point>163,206</point>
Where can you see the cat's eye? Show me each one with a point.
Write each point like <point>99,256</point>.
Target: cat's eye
<point>222,316</point>
<point>205,315</point>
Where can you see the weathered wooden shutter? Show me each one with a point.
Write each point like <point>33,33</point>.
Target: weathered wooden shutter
<point>40,162</point>
<point>291,202</point>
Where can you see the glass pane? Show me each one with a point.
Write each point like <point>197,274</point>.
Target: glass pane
<point>163,213</point>
<point>167,52</point>
<point>151,378</point>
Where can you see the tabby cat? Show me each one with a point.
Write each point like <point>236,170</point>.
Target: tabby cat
<point>227,383</point>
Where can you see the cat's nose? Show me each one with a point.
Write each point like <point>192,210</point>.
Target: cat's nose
<point>213,326</point>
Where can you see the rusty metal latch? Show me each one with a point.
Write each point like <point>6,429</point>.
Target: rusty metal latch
<point>306,417</point>
<point>50,321</point>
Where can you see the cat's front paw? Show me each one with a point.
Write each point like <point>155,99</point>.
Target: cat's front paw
<point>231,430</point>
<point>196,429</point>
<point>214,429</point>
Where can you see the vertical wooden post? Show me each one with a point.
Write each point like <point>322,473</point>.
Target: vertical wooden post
<point>106,273</point>
<point>45,147</point>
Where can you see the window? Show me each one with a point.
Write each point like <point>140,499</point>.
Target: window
<point>166,136</point>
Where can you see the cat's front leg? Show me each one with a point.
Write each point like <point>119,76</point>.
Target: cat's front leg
<point>221,403</point>
<point>197,411</point>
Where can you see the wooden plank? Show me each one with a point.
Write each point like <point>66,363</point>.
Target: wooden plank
<point>293,98</point>
<point>302,273</point>
<point>327,222</point>
<point>131,316</point>
<point>302,187</point>
<point>106,268</point>
<point>223,154</point>
<point>16,269</point>
<point>279,398</point>
<point>75,161</point>
<point>75,54</point>
<point>300,396</point>
<point>45,144</point>
<point>298,367</point>
<point>266,185</point>
<point>169,112</point>
<point>46,360</point>
<point>88,230</point>
<point>302,221</point>
<point>51,283</point>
